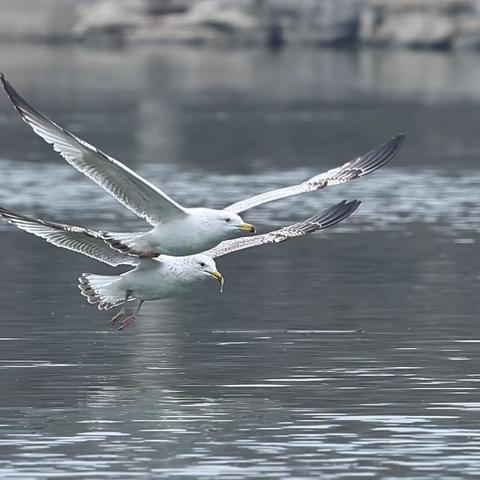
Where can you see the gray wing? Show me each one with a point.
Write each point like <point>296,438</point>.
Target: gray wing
<point>129,188</point>
<point>326,219</point>
<point>78,239</point>
<point>356,168</point>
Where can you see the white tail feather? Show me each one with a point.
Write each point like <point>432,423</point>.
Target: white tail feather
<point>102,289</point>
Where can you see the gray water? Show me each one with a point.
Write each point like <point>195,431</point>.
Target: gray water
<point>349,354</point>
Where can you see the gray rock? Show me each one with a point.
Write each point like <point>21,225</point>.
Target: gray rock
<point>109,20</point>
<point>311,21</point>
<point>468,33</point>
<point>224,21</point>
<point>420,23</point>
<point>389,23</point>
<point>208,21</point>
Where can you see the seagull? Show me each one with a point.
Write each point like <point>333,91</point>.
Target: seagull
<point>162,277</point>
<point>176,229</point>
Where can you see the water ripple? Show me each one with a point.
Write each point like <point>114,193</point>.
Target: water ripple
<point>391,198</point>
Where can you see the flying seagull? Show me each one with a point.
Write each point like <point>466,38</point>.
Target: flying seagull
<point>177,230</point>
<point>165,276</point>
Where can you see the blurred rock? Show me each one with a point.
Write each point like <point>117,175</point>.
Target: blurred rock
<point>205,22</point>
<point>109,20</point>
<point>272,22</point>
<point>420,23</point>
<point>327,22</point>
<point>388,23</point>
<point>468,33</point>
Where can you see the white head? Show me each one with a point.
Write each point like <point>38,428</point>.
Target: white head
<point>203,267</point>
<point>231,224</point>
<point>222,224</point>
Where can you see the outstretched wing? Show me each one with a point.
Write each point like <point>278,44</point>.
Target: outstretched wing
<point>360,166</point>
<point>129,188</point>
<point>326,219</point>
<point>78,239</point>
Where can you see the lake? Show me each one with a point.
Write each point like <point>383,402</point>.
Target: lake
<point>352,353</point>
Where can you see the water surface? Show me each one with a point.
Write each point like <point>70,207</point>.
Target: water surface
<point>349,354</point>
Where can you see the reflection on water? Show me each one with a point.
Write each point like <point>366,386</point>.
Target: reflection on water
<point>353,353</point>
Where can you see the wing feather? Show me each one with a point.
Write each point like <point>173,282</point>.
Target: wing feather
<point>130,189</point>
<point>356,168</point>
<point>77,239</point>
<point>326,219</point>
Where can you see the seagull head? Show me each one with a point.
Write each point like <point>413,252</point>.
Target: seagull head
<point>232,224</point>
<point>215,226</point>
<point>205,267</point>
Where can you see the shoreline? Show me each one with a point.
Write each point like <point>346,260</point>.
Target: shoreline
<point>354,24</point>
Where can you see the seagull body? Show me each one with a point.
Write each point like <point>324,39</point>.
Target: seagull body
<point>162,277</point>
<point>177,230</point>
<point>197,230</point>
<point>152,279</point>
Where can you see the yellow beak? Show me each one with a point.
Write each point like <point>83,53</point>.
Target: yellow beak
<point>246,227</point>
<point>219,277</point>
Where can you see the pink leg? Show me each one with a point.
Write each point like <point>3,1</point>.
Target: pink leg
<point>126,322</point>
<point>149,254</point>
<point>118,316</point>
<point>131,318</point>
<point>123,310</point>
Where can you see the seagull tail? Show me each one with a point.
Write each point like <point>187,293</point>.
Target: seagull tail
<point>102,290</point>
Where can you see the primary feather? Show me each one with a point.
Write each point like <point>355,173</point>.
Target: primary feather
<point>359,167</point>
<point>78,239</point>
<point>326,219</point>
<point>130,189</point>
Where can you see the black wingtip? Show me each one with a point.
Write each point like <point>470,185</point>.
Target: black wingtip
<point>394,145</point>
<point>345,209</point>
<point>14,96</point>
<point>4,212</point>
<point>354,204</point>
<point>380,156</point>
<point>5,83</point>
<point>330,217</point>
<point>399,139</point>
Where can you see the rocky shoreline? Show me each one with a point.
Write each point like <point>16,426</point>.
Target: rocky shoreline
<point>431,24</point>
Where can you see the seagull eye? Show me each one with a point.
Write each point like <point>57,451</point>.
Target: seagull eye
<point>228,220</point>
<point>202,264</point>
